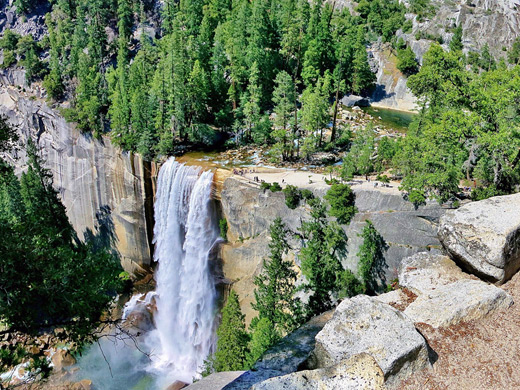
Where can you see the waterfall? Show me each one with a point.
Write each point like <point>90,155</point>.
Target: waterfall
<point>184,235</point>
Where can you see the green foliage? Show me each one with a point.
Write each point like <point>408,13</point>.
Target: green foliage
<point>263,336</point>
<point>274,295</point>
<point>372,263</point>
<point>342,202</point>
<point>462,111</point>
<point>223,225</point>
<point>456,40</point>
<point>406,61</point>
<point>383,178</point>
<point>513,56</point>
<point>324,244</point>
<point>275,187</point>
<point>71,283</point>
<point>262,71</point>
<point>422,8</point>
<point>265,186</point>
<point>9,40</point>
<point>293,196</point>
<point>307,194</point>
<point>23,6</point>
<point>9,59</point>
<point>231,354</point>
<point>359,160</point>
<point>349,285</point>
<point>10,358</point>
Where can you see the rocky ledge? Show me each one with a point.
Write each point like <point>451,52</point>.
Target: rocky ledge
<point>484,237</point>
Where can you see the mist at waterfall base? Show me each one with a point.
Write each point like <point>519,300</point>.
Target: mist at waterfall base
<point>185,235</point>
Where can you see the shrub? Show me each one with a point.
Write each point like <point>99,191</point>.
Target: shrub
<point>9,59</point>
<point>265,186</point>
<point>342,202</point>
<point>292,196</point>
<point>275,187</point>
<point>383,178</point>
<point>406,61</point>
<point>307,194</point>
<point>222,223</point>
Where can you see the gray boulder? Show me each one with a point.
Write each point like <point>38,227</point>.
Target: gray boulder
<point>353,100</point>
<point>356,373</point>
<point>485,237</point>
<point>425,272</point>
<point>215,381</point>
<point>463,300</point>
<point>363,324</point>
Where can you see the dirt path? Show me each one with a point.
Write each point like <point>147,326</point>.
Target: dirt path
<point>310,180</point>
<point>482,354</point>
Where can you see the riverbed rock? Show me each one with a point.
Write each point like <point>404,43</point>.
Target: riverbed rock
<point>363,324</point>
<point>177,385</point>
<point>353,100</point>
<point>62,359</point>
<point>462,300</point>
<point>359,372</point>
<point>484,237</point>
<point>84,384</point>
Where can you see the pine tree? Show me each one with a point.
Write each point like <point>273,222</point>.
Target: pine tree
<point>363,79</point>
<point>233,339</point>
<point>125,19</point>
<point>371,257</point>
<point>251,102</point>
<point>456,40</point>
<point>262,337</point>
<point>274,296</point>
<point>324,244</point>
<point>315,108</point>
<point>284,101</point>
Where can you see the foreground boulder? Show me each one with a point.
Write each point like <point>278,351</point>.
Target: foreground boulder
<point>485,236</point>
<point>445,294</point>
<point>363,324</point>
<point>425,272</point>
<point>356,373</point>
<point>463,300</point>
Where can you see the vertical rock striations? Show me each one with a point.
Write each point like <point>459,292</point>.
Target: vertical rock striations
<point>102,187</point>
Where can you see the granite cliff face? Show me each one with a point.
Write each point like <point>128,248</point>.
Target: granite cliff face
<point>249,212</point>
<point>101,186</point>
<point>495,23</point>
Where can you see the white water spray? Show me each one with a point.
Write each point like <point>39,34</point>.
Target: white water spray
<point>184,235</point>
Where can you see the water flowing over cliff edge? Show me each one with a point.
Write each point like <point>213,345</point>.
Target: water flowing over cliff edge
<point>173,345</point>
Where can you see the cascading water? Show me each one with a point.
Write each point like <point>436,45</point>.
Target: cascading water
<point>184,235</point>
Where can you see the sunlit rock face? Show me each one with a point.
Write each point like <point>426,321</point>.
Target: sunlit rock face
<point>103,188</point>
<point>250,211</point>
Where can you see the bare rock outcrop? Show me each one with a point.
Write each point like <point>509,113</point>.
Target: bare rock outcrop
<point>363,324</point>
<point>250,211</point>
<point>360,372</point>
<point>447,295</point>
<point>484,237</point>
<point>463,300</point>
<point>425,272</point>
<point>107,193</point>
